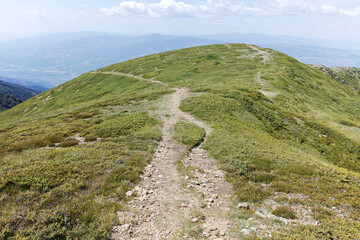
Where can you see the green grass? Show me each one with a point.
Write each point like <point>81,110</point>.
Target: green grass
<point>188,134</point>
<point>74,192</point>
<point>304,141</point>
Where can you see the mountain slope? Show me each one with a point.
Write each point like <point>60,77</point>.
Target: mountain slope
<point>349,76</point>
<point>13,94</point>
<point>8,101</point>
<point>279,133</point>
<point>16,90</point>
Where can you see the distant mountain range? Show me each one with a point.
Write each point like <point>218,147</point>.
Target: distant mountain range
<point>57,58</point>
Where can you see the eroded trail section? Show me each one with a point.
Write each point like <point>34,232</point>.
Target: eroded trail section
<point>165,203</point>
<point>266,59</point>
<point>152,80</point>
<point>266,56</point>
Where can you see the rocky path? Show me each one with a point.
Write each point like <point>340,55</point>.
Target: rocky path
<point>152,80</point>
<point>169,205</point>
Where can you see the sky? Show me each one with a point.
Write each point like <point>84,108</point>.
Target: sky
<point>326,19</point>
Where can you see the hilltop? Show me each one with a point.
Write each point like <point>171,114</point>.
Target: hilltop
<point>233,141</point>
<point>56,58</point>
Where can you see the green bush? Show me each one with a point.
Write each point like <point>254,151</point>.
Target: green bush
<point>90,138</point>
<point>285,212</point>
<point>68,143</point>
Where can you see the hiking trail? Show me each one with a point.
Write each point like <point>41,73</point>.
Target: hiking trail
<point>266,59</point>
<point>168,205</point>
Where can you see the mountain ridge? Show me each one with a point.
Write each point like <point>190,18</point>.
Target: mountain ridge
<point>56,58</point>
<point>292,158</point>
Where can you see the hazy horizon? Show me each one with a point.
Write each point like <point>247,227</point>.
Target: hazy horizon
<point>332,20</point>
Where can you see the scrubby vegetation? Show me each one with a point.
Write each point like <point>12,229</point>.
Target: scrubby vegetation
<point>284,212</point>
<point>188,134</point>
<point>304,141</point>
<point>73,191</point>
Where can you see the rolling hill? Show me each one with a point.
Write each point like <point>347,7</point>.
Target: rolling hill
<point>56,58</point>
<point>235,141</point>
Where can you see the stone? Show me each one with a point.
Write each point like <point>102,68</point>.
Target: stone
<point>129,193</point>
<point>245,232</point>
<point>243,205</point>
<point>195,182</point>
<point>126,227</point>
<point>212,229</point>
<point>260,214</point>
<point>206,234</point>
<point>194,220</point>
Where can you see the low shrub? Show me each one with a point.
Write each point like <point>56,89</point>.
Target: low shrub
<point>285,212</point>
<point>90,138</point>
<point>68,143</point>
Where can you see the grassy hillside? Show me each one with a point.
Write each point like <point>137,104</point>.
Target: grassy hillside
<point>349,76</point>
<point>287,135</point>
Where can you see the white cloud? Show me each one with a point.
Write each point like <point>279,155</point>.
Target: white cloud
<point>164,8</point>
<point>83,13</point>
<point>173,8</point>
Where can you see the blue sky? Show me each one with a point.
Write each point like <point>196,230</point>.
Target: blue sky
<point>328,19</point>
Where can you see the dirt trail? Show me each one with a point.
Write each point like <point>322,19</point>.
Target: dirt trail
<point>266,56</point>
<point>133,76</point>
<point>166,204</point>
<point>266,59</point>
